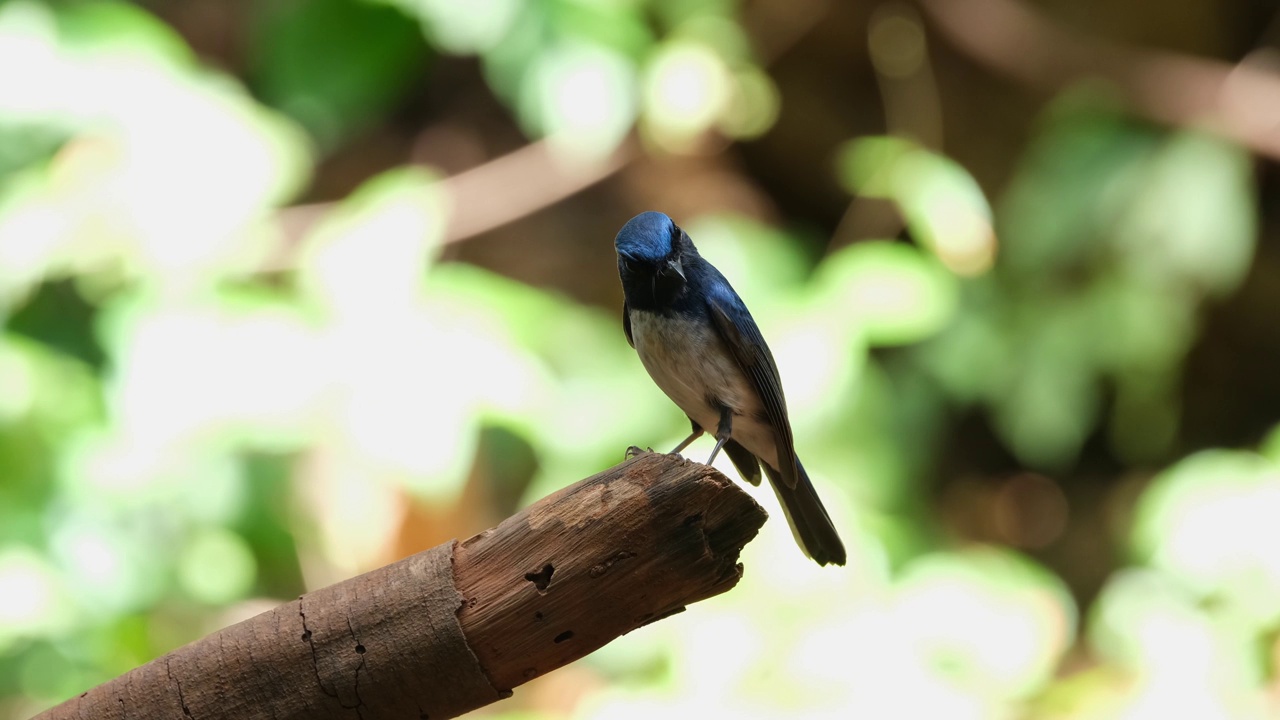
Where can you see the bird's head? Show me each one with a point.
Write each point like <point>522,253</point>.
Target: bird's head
<point>651,250</point>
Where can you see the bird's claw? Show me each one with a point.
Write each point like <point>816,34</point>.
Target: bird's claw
<point>634,451</point>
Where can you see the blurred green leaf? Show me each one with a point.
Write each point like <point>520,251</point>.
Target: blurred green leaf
<point>464,28</point>
<point>753,106</point>
<point>334,65</point>
<point>1270,447</point>
<point>1050,397</point>
<point>122,30</point>
<point>541,379</point>
<point>269,523</point>
<point>889,291</point>
<point>756,258</point>
<point>581,95</point>
<point>622,26</point>
<point>1193,220</point>
<point>1208,522</point>
<point>374,249</point>
<point>216,566</point>
<point>686,88</point>
<point>58,315</point>
<point>989,619</point>
<point>58,393</point>
<point>1188,657</point>
<point>116,557</point>
<point>1080,171</point>
<point>182,377</point>
<point>36,602</point>
<point>944,208</point>
<point>48,674</point>
<point>114,200</point>
<point>1095,289</point>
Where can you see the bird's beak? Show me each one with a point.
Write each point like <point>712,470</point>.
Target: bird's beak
<point>673,266</point>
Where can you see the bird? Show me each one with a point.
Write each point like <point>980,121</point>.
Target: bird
<point>702,348</point>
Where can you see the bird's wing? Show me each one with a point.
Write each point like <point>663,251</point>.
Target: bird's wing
<point>744,340</point>
<point>626,323</point>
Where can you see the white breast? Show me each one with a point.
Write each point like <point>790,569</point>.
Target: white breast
<point>690,363</point>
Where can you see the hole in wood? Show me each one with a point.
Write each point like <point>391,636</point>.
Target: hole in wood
<point>542,578</point>
<point>360,649</point>
<point>564,636</point>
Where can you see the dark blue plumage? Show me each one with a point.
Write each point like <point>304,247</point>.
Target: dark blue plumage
<point>701,346</point>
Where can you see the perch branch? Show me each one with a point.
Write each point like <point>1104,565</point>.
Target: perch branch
<point>458,626</point>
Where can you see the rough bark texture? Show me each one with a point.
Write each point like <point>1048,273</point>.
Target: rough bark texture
<point>597,559</point>
<point>456,627</point>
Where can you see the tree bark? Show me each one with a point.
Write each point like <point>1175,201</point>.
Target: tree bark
<point>458,626</point>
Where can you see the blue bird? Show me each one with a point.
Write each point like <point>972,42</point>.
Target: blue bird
<point>700,345</point>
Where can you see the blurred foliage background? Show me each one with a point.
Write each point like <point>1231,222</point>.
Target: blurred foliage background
<point>291,289</point>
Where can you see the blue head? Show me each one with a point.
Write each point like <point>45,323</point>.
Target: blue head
<point>651,248</point>
<point>647,238</point>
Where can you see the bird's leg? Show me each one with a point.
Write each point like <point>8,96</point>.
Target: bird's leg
<point>723,433</point>
<point>697,433</point>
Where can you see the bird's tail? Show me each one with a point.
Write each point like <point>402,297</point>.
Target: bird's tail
<point>808,518</point>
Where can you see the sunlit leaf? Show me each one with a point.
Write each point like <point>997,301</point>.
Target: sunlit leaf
<point>182,376</point>
<point>116,563</point>
<point>986,619</point>
<point>409,369</point>
<point>686,89</point>
<point>581,95</point>
<point>622,25</point>
<point>1209,523</point>
<point>891,292</point>
<point>373,251</point>
<point>33,600</point>
<point>131,191</point>
<point>542,376</point>
<point>76,46</point>
<point>944,208</point>
<point>756,259</point>
<point>463,28</point>
<point>1187,660</point>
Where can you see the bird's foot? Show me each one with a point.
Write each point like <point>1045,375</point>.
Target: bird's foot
<point>634,451</point>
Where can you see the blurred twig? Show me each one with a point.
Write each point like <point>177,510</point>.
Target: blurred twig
<point>485,197</point>
<point>521,183</point>
<point>1240,102</point>
<point>778,26</point>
